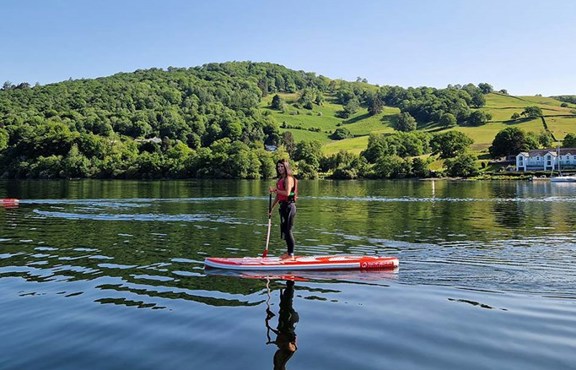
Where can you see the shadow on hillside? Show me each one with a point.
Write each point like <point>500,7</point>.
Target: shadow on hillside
<point>517,121</point>
<point>356,119</point>
<point>431,127</point>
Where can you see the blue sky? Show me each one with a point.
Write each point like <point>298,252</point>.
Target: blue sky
<point>526,47</point>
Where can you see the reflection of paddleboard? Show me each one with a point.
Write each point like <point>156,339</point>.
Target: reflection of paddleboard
<point>308,275</point>
<point>261,275</point>
<point>337,262</point>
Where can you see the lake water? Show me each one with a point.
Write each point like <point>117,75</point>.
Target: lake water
<point>109,275</point>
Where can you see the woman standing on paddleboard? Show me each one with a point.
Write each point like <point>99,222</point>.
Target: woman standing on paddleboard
<point>286,193</point>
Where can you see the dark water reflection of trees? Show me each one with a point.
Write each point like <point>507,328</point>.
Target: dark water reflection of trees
<point>148,240</point>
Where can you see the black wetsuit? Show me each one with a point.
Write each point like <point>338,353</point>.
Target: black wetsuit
<point>287,213</point>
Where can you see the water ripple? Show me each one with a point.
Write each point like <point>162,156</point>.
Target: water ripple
<point>142,217</point>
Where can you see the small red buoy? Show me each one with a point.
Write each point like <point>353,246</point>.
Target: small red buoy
<point>10,202</point>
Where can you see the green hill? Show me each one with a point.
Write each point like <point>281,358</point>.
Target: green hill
<point>214,121</point>
<point>321,121</point>
<point>560,121</point>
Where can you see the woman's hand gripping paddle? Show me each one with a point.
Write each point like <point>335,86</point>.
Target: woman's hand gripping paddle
<point>269,225</point>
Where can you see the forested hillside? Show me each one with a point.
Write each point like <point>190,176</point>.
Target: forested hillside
<point>216,121</point>
<point>197,122</point>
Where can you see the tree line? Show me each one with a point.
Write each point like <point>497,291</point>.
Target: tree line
<point>205,122</point>
<point>174,123</point>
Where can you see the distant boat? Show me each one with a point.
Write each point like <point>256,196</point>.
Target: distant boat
<point>563,178</point>
<point>560,177</point>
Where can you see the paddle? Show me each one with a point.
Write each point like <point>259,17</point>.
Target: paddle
<point>269,225</point>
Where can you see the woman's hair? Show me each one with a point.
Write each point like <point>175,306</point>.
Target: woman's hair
<point>286,165</point>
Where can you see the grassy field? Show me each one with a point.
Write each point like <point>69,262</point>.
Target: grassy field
<point>353,145</point>
<point>324,120</point>
<point>560,126</point>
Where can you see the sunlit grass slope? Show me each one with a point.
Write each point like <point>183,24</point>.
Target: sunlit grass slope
<point>321,121</point>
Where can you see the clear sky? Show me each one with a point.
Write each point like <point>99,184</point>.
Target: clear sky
<point>524,46</point>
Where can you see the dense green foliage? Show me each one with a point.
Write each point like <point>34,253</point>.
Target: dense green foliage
<point>209,121</point>
<point>196,122</point>
<point>450,144</point>
<point>566,98</point>
<point>568,142</point>
<point>511,141</point>
<point>427,104</point>
<point>463,165</point>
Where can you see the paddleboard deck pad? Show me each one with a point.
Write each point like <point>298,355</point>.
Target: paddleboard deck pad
<point>336,262</point>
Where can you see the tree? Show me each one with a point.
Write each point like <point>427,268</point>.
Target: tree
<point>485,88</point>
<point>307,170</point>
<point>267,165</point>
<point>448,120</point>
<point>344,173</point>
<point>478,118</point>
<point>545,139</point>
<point>377,147</point>
<point>478,100</point>
<point>340,133</point>
<point>569,141</point>
<point>405,122</point>
<point>532,112</point>
<point>352,106</point>
<point>307,97</point>
<point>532,140</point>
<point>49,167</point>
<point>375,104</point>
<point>342,159</point>
<point>277,102</point>
<point>392,166</point>
<point>463,165</point>
<point>3,139</point>
<point>53,138</point>
<point>420,167</point>
<point>450,144</point>
<point>509,141</point>
<point>309,152</point>
<point>288,142</point>
<point>75,165</point>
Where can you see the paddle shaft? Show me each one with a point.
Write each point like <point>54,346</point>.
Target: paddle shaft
<point>269,225</point>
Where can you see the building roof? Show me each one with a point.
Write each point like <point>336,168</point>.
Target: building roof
<point>543,152</point>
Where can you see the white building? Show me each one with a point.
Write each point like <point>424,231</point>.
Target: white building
<point>546,159</point>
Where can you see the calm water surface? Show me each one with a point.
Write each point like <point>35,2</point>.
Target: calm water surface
<point>109,275</point>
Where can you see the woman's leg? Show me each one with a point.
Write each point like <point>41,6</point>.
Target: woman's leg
<point>289,215</point>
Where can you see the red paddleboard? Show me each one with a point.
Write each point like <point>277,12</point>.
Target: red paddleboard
<point>336,262</point>
<point>9,202</point>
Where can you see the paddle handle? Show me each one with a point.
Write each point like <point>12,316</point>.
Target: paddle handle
<point>269,225</point>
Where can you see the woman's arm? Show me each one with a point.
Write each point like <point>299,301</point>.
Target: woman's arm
<point>273,205</point>
<point>273,190</point>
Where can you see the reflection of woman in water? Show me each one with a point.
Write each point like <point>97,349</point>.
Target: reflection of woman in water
<point>285,332</point>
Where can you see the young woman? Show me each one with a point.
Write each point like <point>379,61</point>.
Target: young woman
<point>286,191</point>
